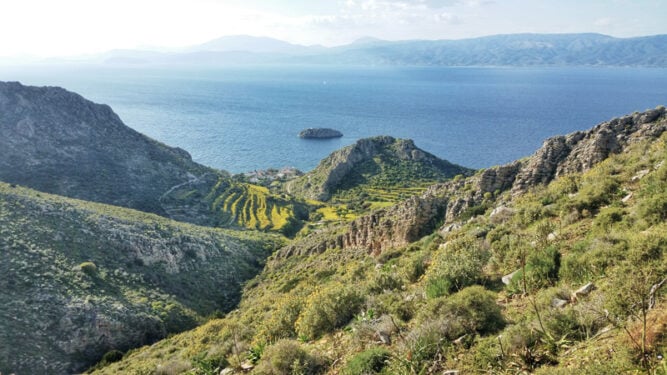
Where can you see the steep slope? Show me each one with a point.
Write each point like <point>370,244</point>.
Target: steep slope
<point>534,277</point>
<point>381,162</point>
<point>78,279</point>
<point>56,141</point>
<point>445,203</point>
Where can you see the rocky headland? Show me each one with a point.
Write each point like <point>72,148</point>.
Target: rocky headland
<point>443,204</point>
<point>382,158</point>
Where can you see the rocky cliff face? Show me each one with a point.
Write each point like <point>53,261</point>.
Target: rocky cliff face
<point>378,155</point>
<point>445,203</point>
<point>56,141</point>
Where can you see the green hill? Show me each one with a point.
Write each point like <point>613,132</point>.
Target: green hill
<point>551,265</point>
<point>378,169</point>
<point>79,279</point>
<point>58,142</point>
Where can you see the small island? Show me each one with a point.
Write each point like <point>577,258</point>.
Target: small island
<point>320,133</point>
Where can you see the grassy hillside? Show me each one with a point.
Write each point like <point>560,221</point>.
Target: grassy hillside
<point>502,293</point>
<point>378,169</point>
<point>79,279</point>
<point>225,202</point>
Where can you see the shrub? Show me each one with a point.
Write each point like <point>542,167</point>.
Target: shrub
<point>457,266</point>
<point>281,322</point>
<point>473,309</point>
<point>108,358</point>
<point>523,343</point>
<point>437,287</point>
<point>328,309</point>
<point>371,361</point>
<point>608,217</point>
<point>541,271</point>
<point>654,209</point>
<point>385,281</point>
<point>597,190</point>
<point>286,357</point>
<point>477,308</point>
<point>589,260</point>
<point>89,268</point>
<point>112,356</point>
<point>415,269</point>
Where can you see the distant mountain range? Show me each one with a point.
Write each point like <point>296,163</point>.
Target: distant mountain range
<point>496,50</point>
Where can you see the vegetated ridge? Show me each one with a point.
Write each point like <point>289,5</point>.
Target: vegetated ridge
<point>56,141</point>
<point>79,279</point>
<point>552,264</point>
<point>380,162</point>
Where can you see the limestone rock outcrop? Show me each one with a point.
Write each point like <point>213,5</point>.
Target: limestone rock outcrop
<point>445,203</point>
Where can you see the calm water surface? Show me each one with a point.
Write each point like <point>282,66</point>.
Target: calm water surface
<point>247,118</point>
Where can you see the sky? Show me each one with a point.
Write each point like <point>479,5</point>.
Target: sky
<point>47,28</point>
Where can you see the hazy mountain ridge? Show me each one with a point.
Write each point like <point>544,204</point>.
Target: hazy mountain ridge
<point>497,50</point>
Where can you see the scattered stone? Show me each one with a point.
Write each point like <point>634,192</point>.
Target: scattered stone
<point>559,303</point>
<point>583,291</point>
<point>640,175</point>
<point>227,371</point>
<point>459,341</point>
<point>247,366</point>
<point>383,337</point>
<point>450,228</point>
<point>501,214</point>
<point>552,237</point>
<point>450,372</point>
<point>507,279</point>
<point>626,198</point>
<point>320,133</point>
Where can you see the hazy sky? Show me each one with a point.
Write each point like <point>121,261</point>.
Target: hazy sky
<point>68,27</point>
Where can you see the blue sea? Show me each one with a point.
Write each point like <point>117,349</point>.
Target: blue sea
<point>246,118</point>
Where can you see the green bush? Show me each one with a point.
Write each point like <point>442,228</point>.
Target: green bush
<point>371,361</point>
<point>541,271</point>
<point>89,268</point>
<point>608,217</point>
<point>385,281</point>
<point>589,260</point>
<point>653,209</point>
<point>597,189</point>
<point>281,322</point>
<point>327,309</point>
<point>286,357</point>
<point>437,287</point>
<point>457,266</point>
<point>473,309</point>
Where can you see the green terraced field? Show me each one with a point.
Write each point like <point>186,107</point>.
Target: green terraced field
<point>253,207</point>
